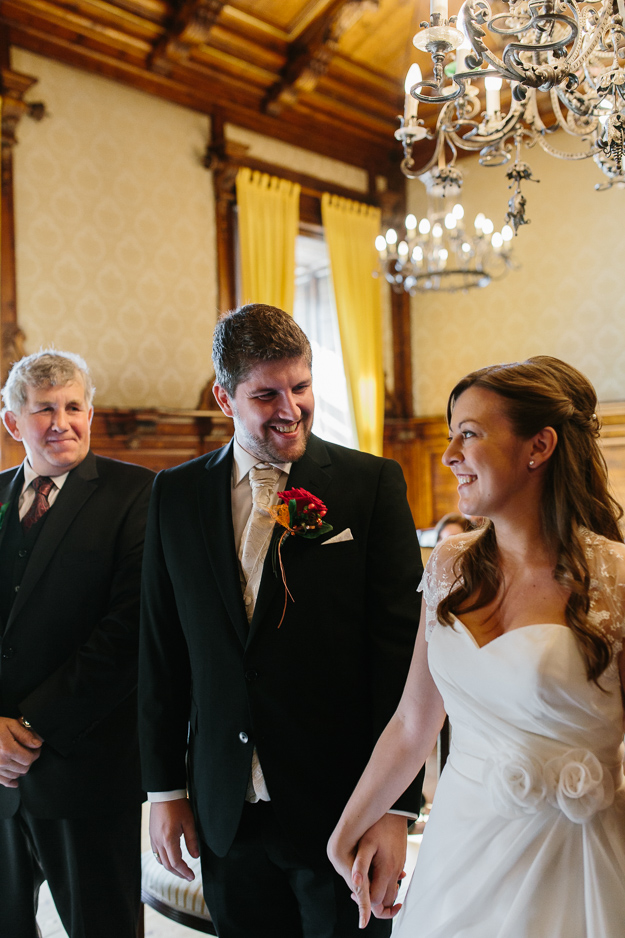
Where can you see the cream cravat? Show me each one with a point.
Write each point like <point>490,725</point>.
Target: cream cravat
<point>257,533</point>
<point>254,545</point>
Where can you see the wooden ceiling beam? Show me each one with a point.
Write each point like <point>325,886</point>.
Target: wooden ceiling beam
<point>206,91</point>
<point>311,55</point>
<point>190,27</point>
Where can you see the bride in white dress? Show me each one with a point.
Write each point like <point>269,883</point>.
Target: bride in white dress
<point>521,644</point>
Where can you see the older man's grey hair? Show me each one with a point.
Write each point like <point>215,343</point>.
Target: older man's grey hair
<point>44,369</point>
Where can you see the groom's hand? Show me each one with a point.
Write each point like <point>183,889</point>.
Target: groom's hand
<point>378,868</point>
<point>169,821</point>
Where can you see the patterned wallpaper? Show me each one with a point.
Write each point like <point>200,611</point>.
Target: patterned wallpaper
<point>566,299</point>
<point>115,233</point>
<point>115,236</point>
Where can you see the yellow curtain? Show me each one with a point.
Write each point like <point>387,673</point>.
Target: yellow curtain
<point>268,225</point>
<point>350,231</point>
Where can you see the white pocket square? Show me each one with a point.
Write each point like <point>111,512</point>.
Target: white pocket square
<point>345,535</point>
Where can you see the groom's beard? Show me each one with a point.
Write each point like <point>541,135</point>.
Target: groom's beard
<point>269,447</point>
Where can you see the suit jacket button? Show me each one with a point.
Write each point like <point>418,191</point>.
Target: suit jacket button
<point>17,588</point>
<point>22,553</point>
<point>8,652</point>
<point>243,737</point>
<point>251,675</point>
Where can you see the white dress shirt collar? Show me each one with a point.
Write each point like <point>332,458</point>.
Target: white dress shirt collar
<point>243,461</point>
<point>30,475</point>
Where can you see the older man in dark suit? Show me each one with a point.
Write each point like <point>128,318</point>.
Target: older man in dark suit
<point>259,709</point>
<point>71,540</point>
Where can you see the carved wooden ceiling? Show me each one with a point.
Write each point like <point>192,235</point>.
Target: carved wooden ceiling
<point>324,74</point>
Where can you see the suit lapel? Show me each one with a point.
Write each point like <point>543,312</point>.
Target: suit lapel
<point>79,486</point>
<point>215,512</point>
<point>10,494</point>
<point>313,472</point>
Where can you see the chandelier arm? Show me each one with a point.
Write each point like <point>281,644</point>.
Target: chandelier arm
<point>584,111</point>
<point>551,19</point>
<point>510,66</point>
<point>473,140</point>
<point>532,117</point>
<point>409,165</point>
<point>580,60</point>
<point>563,155</point>
<point>438,98</point>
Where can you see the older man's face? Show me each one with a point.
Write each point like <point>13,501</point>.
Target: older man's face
<point>54,426</point>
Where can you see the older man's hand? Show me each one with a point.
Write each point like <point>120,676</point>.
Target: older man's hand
<point>19,748</point>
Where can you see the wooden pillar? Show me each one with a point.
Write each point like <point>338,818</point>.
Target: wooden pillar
<point>399,404</point>
<point>402,354</point>
<point>223,158</point>
<point>13,88</point>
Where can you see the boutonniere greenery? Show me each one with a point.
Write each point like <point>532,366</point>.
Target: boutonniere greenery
<point>4,507</point>
<point>300,513</point>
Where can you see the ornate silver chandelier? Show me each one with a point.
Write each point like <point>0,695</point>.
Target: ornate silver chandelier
<point>439,251</point>
<point>563,66</point>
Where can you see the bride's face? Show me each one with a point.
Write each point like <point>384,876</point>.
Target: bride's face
<point>490,462</point>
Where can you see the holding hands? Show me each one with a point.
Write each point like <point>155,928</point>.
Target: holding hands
<point>373,866</point>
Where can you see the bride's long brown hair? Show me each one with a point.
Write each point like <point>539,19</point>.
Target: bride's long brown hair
<point>546,392</point>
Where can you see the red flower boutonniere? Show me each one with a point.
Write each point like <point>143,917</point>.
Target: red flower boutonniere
<point>3,510</point>
<point>301,513</point>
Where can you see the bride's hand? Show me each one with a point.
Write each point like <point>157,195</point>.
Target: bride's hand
<point>344,858</point>
<point>378,868</point>
<point>373,868</point>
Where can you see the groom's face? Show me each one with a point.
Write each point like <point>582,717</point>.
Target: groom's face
<point>272,409</point>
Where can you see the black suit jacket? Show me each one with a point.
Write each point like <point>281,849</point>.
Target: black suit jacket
<point>312,695</point>
<point>69,648</point>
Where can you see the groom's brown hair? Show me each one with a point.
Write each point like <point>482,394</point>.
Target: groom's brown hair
<point>252,334</point>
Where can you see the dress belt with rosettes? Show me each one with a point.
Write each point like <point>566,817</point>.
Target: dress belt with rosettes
<point>519,784</point>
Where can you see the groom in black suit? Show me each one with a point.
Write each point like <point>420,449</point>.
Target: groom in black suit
<point>71,540</point>
<point>256,717</point>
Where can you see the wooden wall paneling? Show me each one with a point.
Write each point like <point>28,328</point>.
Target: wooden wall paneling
<point>158,439</point>
<point>162,438</point>
<point>418,444</point>
<point>612,417</point>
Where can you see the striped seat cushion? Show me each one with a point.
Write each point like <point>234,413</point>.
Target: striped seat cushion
<point>169,889</point>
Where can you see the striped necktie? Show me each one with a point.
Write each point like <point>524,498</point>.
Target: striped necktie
<point>257,533</point>
<point>42,486</point>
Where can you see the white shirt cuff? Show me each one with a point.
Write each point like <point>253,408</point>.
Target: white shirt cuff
<point>156,796</point>
<point>408,814</point>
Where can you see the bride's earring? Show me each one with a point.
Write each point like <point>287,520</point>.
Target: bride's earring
<point>531,463</point>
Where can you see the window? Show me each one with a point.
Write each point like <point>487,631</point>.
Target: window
<point>315,311</point>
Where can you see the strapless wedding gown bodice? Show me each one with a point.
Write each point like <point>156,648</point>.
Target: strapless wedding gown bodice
<point>527,834</point>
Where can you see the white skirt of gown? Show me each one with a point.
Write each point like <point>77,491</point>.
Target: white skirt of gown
<point>526,838</point>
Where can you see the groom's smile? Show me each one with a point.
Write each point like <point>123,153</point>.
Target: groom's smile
<point>272,409</point>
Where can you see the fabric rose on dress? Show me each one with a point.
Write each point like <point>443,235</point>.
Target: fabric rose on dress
<point>515,784</point>
<point>578,784</point>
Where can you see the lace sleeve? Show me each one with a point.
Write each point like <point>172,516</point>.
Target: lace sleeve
<point>606,563</point>
<point>439,577</point>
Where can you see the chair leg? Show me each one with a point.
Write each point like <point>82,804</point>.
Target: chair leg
<point>141,923</point>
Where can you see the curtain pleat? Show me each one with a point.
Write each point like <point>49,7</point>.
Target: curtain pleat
<point>268,210</point>
<point>350,231</point>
